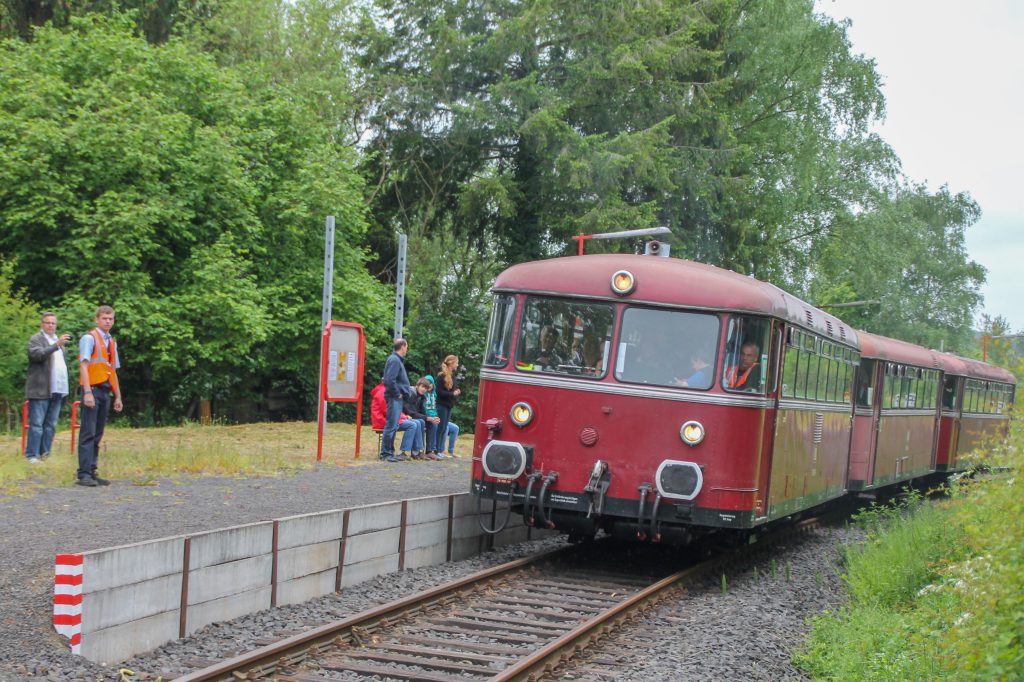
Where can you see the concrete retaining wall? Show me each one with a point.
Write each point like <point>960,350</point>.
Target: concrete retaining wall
<point>115,603</point>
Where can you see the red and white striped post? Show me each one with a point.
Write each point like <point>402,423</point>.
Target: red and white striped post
<point>67,599</point>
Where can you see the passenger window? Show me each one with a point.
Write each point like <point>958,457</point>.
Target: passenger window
<point>832,393</point>
<point>813,369</point>
<point>803,368</point>
<point>789,372</point>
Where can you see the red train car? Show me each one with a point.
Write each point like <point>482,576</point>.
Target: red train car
<point>659,398</point>
<point>976,399</point>
<point>897,413</point>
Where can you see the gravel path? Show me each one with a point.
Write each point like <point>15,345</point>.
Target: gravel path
<point>745,634</point>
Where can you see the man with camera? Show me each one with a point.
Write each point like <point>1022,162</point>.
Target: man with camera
<point>46,386</point>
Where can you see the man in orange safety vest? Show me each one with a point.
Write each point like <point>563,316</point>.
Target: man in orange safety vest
<point>97,355</point>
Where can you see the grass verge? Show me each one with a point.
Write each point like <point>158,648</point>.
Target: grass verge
<point>140,456</point>
<point>936,591</point>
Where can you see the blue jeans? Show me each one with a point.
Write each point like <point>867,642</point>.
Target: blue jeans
<point>453,433</point>
<point>387,445</point>
<point>42,424</point>
<point>430,436</point>
<point>445,413</point>
<point>412,438</point>
<point>94,420</point>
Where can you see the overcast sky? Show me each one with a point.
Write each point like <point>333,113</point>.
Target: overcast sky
<point>953,79</point>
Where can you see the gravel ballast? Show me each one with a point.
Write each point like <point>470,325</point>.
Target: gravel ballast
<point>746,633</point>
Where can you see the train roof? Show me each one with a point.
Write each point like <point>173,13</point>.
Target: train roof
<point>976,369</point>
<point>670,281</point>
<point>894,350</point>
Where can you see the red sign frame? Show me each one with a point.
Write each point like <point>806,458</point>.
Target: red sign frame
<point>324,398</point>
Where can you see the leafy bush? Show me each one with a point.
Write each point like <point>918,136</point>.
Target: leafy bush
<point>20,319</point>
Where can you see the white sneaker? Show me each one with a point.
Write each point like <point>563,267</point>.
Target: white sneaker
<point>34,460</point>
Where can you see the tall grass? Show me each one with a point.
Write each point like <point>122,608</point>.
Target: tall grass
<point>936,590</point>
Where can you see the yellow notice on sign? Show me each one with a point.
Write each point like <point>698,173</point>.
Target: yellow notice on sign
<point>342,366</point>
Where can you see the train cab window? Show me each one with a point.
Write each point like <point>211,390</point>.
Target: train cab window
<point>667,348</point>
<point>499,334</point>
<point>746,355</point>
<point>565,337</point>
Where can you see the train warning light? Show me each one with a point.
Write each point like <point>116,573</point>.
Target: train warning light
<point>623,282</point>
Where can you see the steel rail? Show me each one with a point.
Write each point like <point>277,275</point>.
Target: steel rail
<point>293,650</point>
<point>366,621</point>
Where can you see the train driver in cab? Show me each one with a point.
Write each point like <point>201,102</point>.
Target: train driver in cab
<point>746,376</point>
<point>547,354</point>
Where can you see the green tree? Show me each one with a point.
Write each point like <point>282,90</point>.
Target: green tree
<point>20,320</point>
<point>908,252</point>
<point>523,123</point>
<point>150,178</point>
<point>155,19</point>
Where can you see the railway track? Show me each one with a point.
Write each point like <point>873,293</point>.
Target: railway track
<point>517,621</point>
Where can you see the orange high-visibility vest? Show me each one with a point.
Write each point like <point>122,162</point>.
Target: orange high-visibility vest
<point>733,381</point>
<point>101,365</point>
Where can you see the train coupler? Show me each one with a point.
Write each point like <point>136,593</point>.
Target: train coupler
<point>597,486</point>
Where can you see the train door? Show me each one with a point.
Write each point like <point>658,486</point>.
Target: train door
<point>864,441</point>
<point>777,357</point>
<point>951,390</point>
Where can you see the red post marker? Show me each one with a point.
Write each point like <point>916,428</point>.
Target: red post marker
<point>74,423</point>
<point>24,425</point>
<point>579,239</point>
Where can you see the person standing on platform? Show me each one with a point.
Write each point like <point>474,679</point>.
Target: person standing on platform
<point>46,386</point>
<point>396,387</point>
<point>453,435</point>
<point>99,362</point>
<point>447,391</point>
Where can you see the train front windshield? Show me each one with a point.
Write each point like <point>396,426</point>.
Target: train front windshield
<point>565,337</point>
<point>667,348</point>
<point>574,337</point>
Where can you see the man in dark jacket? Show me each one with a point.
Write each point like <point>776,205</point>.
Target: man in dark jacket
<point>396,387</point>
<point>45,387</point>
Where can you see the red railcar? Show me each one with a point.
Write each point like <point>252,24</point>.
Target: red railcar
<point>976,399</point>
<point>656,398</point>
<point>897,413</point>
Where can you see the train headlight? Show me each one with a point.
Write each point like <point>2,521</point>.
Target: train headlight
<point>679,480</point>
<point>521,414</point>
<point>505,459</point>
<point>623,282</point>
<point>692,432</point>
